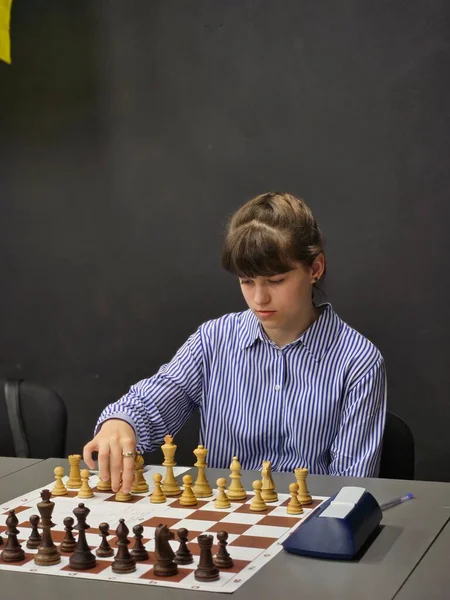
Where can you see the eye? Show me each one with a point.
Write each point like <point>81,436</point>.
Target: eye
<point>245,281</point>
<point>276,281</point>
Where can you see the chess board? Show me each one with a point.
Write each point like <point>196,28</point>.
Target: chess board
<point>254,538</point>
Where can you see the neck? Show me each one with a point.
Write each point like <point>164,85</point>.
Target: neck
<point>292,331</point>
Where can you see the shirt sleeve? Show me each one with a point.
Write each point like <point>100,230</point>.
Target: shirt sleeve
<point>356,450</point>
<point>161,405</point>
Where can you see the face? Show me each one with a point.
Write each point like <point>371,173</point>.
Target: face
<point>281,302</point>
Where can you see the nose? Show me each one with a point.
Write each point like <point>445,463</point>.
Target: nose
<point>262,296</point>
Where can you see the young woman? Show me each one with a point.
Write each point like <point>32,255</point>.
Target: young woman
<point>286,380</point>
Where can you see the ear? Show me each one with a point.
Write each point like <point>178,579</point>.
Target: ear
<point>317,268</point>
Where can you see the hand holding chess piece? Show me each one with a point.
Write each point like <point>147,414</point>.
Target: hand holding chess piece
<point>114,439</point>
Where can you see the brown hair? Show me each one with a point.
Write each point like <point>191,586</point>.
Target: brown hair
<point>268,233</point>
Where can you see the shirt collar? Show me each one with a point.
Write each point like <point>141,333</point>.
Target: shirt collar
<point>317,338</point>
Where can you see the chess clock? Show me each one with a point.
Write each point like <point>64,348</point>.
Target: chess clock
<point>339,527</point>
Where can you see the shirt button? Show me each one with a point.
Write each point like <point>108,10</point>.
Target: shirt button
<point>277,387</point>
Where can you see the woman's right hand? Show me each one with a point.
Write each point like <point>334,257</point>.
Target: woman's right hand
<point>115,438</point>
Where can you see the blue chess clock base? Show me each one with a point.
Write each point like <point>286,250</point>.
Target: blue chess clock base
<point>339,528</point>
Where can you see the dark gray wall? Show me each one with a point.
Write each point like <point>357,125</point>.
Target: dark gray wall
<point>129,131</point>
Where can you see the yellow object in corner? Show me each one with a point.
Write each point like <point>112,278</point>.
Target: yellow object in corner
<point>5,38</point>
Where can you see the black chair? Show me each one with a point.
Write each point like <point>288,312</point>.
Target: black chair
<point>33,421</point>
<point>397,455</point>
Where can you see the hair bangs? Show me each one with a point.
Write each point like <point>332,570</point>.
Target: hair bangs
<point>255,249</point>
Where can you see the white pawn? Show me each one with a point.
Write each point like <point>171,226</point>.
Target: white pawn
<point>236,490</point>
<point>222,500</point>
<point>188,498</point>
<point>157,496</point>
<point>121,496</point>
<point>85,490</point>
<point>258,504</point>
<point>59,488</point>
<point>294,507</point>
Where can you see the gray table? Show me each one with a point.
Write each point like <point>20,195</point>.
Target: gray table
<point>11,465</point>
<point>409,530</point>
<point>431,578</point>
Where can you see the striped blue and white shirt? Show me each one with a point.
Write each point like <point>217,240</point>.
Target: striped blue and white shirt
<point>318,402</point>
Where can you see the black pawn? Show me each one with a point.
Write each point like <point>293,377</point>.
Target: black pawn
<point>206,570</point>
<point>222,559</point>
<point>13,550</point>
<point>183,556</point>
<point>69,542</point>
<point>82,557</point>
<point>35,537</point>
<point>139,552</point>
<point>104,549</point>
<point>123,562</point>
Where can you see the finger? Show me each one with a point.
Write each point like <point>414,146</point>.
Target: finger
<point>90,447</point>
<point>115,463</point>
<point>128,467</point>
<point>103,460</point>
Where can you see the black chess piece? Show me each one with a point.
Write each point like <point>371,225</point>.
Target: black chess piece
<point>13,550</point>
<point>223,559</point>
<point>164,566</point>
<point>69,542</point>
<point>1,540</point>
<point>35,538</point>
<point>123,562</point>
<point>139,551</point>
<point>183,556</point>
<point>206,570</point>
<point>82,557</point>
<point>104,549</point>
<point>47,554</point>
